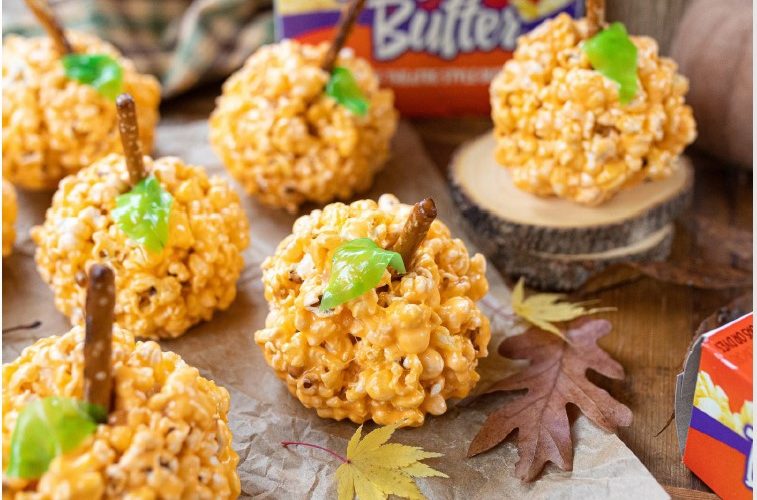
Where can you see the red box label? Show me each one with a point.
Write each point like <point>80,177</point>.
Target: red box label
<point>720,439</point>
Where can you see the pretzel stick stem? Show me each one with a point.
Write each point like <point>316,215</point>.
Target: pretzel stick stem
<point>346,23</point>
<point>129,129</point>
<point>46,17</point>
<point>98,337</point>
<point>415,229</point>
<point>595,15</point>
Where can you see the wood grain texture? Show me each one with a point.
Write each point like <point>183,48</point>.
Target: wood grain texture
<point>655,322</point>
<point>686,494</point>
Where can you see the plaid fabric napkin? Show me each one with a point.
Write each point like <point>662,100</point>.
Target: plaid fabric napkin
<point>182,42</point>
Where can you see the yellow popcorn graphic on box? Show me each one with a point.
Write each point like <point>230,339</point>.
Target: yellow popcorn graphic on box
<point>531,10</point>
<point>713,400</point>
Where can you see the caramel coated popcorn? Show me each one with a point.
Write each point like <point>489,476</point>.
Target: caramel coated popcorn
<point>391,355</point>
<point>286,141</point>
<point>166,437</point>
<point>10,211</point>
<point>158,294</point>
<point>53,126</point>
<point>561,129</point>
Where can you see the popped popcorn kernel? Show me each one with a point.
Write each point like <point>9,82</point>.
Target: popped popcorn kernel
<point>53,126</point>
<point>393,354</point>
<point>560,127</point>
<point>10,212</point>
<point>158,294</point>
<point>167,435</point>
<point>286,141</point>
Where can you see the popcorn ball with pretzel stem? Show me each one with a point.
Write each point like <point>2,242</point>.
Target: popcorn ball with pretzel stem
<point>286,141</point>
<point>162,291</point>
<point>54,126</point>
<point>560,125</point>
<point>164,433</point>
<point>10,211</point>
<point>396,352</point>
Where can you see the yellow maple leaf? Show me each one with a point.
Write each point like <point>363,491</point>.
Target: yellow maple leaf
<point>374,469</point>
<point>544,309</point>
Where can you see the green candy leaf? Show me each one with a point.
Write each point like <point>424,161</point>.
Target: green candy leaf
<point>143,214</point>
<point>612,53</point>
<point>357,267</point>
<point>97,70</point>
<point>47,428</point>
<point>345,90</point>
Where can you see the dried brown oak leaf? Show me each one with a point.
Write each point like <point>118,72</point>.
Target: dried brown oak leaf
<point>695,273</point>
<point>720,260</point>
<point>730,312</point>
<point>723,242</point>
<point>555,378</point>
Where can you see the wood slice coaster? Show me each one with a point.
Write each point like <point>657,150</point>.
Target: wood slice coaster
<point>505,216</point>
<point>566,272</point>
<point>557,244</point>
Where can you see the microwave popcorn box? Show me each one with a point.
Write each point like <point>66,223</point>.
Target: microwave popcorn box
<point>438,56</point>
<point>714,409</point>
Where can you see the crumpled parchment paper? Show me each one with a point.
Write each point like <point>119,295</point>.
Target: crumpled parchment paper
<point>263,413</point>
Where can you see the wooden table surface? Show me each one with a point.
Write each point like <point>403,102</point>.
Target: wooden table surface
<point>655,322</point>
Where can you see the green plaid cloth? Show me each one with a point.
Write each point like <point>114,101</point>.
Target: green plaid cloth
<point>182,42</point>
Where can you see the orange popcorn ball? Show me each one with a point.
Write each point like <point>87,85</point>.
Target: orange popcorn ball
<point>167,435</point>
<point>288,142</point>
<point>10,211</point>
<point>159,294</point>
<point>52,125</point>
<point>562,130</point>
<point>394,353</point>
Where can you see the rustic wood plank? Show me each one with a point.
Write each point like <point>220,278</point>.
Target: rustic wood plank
<point>686,494</point>
<point>652,330</point>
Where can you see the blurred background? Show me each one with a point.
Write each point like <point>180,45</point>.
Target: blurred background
<point>656,18</point>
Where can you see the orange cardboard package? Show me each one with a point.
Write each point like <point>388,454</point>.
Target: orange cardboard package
<point>438,55</point>
<point>714,409</point>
